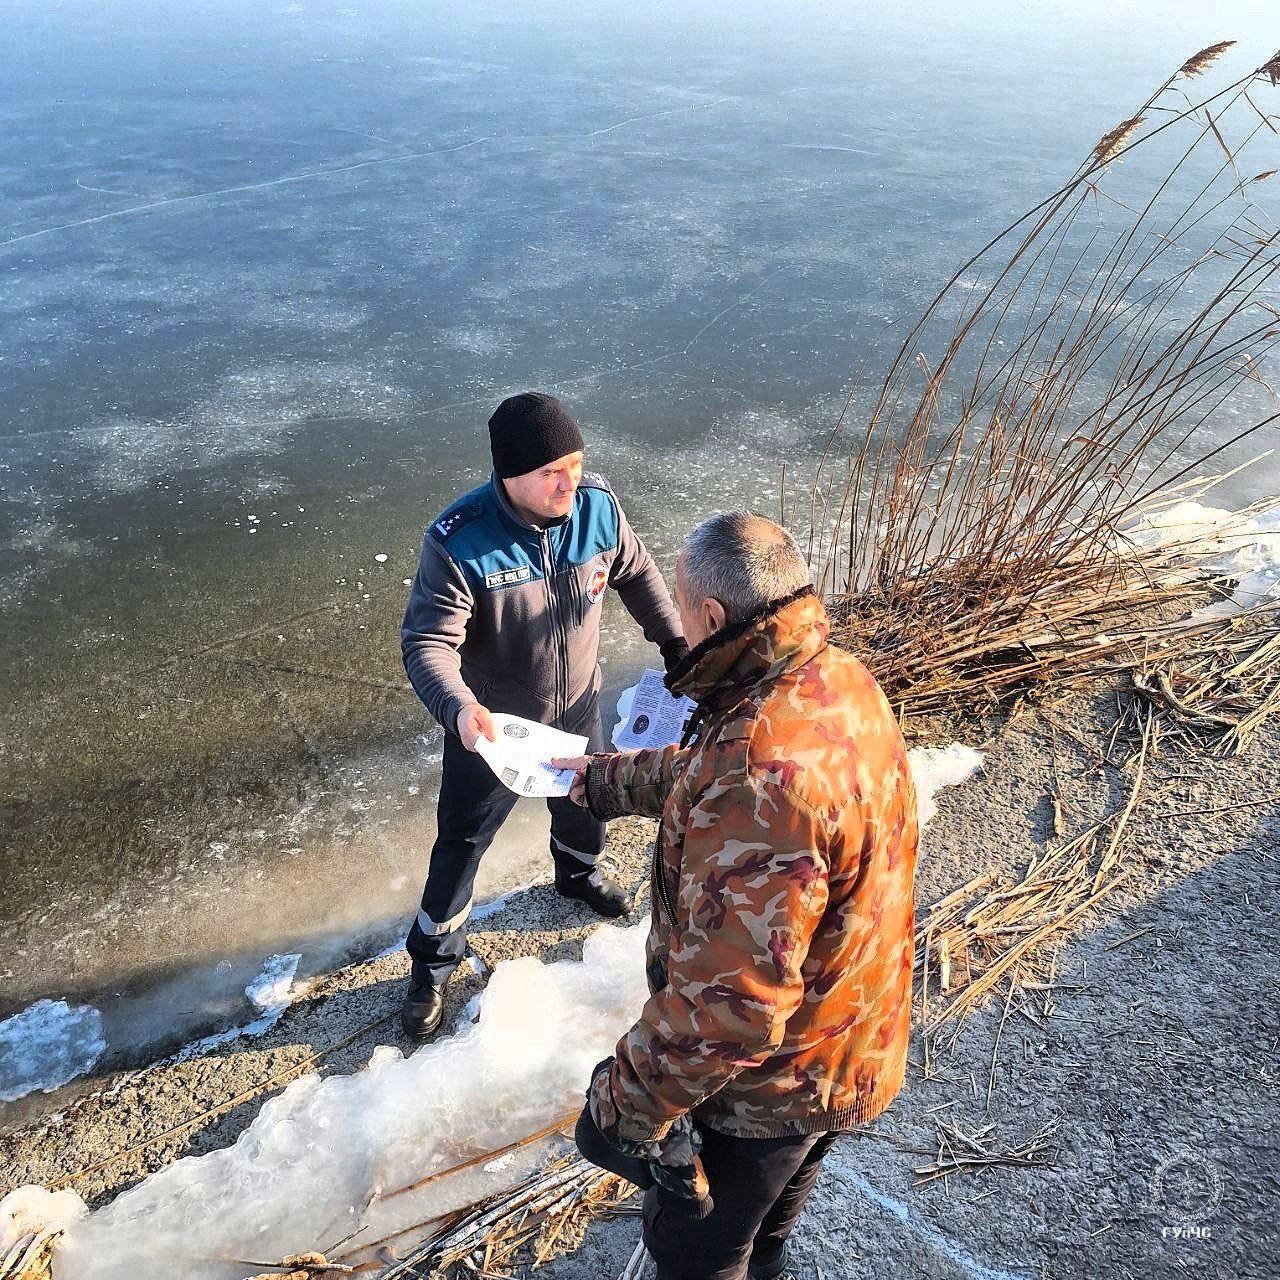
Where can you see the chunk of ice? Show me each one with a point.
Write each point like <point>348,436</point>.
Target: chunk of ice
<point>46,1045</point>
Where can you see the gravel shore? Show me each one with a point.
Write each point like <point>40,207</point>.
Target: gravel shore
<point>1157,1059</point>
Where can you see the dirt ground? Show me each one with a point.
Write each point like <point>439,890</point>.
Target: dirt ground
<point>1157,1061</point>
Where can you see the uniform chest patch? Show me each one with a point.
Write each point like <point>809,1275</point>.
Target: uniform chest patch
<point>597,584</point>
<point>508,577</point>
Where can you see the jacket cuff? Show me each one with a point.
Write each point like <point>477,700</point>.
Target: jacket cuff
<point>449,709</point>
<point>604,799</point>
<point>629,1134</point>
<point>674,652</point>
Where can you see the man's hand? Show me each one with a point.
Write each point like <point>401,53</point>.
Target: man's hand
<point>474,720</point>
<point>671,1161</point>
<point>578,788</point>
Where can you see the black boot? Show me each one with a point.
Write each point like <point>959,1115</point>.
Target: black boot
<point>768,1268</point>
<point>423,1008</point>
<point>598,888</point>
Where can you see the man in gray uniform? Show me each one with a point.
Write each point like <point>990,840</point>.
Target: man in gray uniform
<point>504,615</point>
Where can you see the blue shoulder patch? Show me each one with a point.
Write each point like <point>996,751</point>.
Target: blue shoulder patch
<point>490,556</point>
<point>594,527</point>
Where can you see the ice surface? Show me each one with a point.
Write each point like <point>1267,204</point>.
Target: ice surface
<point>271,992</point>
<point>46,1045</point>
<point>320,1160</point>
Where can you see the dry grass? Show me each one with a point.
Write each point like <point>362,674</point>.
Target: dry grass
<point>983,933</point>
<point>961,1151</point>
<point>979,534</point>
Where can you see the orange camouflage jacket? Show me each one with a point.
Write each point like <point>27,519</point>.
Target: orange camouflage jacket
<point>780,947</point>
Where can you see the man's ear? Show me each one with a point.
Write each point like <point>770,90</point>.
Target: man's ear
<point>713,615</point>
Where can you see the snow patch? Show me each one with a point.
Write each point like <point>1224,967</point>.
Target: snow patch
<point>311,1165</point>
<point>936,767</point>
<point>46,1045</point>
<point>28,1211</point>
<point>1245,547</point>
<point>269,991</point>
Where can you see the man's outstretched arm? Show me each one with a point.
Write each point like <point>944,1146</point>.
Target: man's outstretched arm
<point>621,783</point>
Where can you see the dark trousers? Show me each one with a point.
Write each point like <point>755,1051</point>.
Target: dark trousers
<point>759,1186</point>
<point>473,805</point>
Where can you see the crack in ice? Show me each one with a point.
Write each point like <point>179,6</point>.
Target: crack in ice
<point>226,191</point>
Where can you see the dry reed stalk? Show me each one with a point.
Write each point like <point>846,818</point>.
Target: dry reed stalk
<point>635,1264</point>
<point>483,1157</point>
<point>1030,419</point>
<point>992,932</point>
<point>306,1266</point>
<point>962,1152</point>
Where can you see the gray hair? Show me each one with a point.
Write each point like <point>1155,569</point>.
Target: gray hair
<point>744,561</point>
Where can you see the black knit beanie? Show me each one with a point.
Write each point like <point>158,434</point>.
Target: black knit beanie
<point>528,431</point>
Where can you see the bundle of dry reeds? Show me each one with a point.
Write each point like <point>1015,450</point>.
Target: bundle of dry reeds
<point>1221,685</point>
<point>542,1215</point>
<point>960,1151</point>
<point>978,536</point>
<point>984,932</point>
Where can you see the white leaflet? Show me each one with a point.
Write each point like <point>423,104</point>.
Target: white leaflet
<point>650,716</point>
<point>521,756</point>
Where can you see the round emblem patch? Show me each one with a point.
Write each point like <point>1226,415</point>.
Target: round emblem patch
<point>596,584</point>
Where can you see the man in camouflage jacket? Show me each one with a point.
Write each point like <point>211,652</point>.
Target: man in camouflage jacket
<point>780,948</point>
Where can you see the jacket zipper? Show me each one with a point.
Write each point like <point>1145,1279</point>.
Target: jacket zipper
<point>557,622</point>
<point>659,876</point>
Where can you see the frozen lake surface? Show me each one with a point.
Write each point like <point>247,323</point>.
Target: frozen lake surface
<point>267,268</point>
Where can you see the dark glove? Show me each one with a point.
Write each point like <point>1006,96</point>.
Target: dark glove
<point>672,1162</point>
<point>674,652</point>
<point>594,1146</point>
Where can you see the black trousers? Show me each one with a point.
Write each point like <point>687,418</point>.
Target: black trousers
<point>473,805</point>
<point>759,1186</point>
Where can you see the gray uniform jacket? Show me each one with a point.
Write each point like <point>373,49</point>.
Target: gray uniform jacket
<point>508,614</point>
